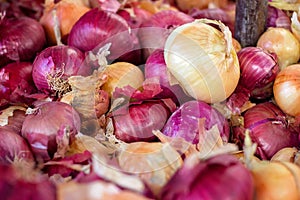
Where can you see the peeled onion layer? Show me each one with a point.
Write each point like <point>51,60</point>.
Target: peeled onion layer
<point>202,60</point>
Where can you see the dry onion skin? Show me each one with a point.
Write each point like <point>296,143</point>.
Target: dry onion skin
<point>283,43</point>
<point>203,60</point>
<point>286,90</point>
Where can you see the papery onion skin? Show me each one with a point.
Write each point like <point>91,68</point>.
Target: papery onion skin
<point>67,13</point>
<point>269,128</point>
<point>13,147</point>
<point>281,42</point>
<point>286,90</point>
<point>97,28</point>
<point>12,118</point>
<point>202,59</point>
<point>277,18</point>
<point>136,122</point>
<point>20,39</point>
<point>154,32</point>
<point>55,64</point>
<point>16,83</point>
<point>219,177</point>
<point>41,127</point>
<point>184,122</point>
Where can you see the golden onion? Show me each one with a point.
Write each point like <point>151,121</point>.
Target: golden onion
<point>203,60</point>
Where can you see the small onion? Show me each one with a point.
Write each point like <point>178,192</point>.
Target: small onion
<point>41,127</point>
<point>21,38</point>
<point>286,92</point>
<point>154,162</point>
<point>203,60</point>
<point>154,32</point>
<point>97,28</point>
<point>281,42</point>
<point>268,127</point>
<point>54,65</point>
<point>219,177</point>
<point>184,122</point>
<point>16,88</point>
<point>13,147</point>
<point>67,11</point>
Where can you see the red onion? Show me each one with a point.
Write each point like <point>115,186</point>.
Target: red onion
<point>16,87</point>
<point>156,67</point>
<point>184,122</point>
<point>137,121</point>
<point>278,18</point>
<point>139,16</point>
<point>96,28</point>
<point>12,118</point>
<point>46,121</point>
<point>154,32</point>
<point>13,147</point>
<point>54,65</point>
<point>269,128</point>
<point>21,38</point>
<point>220,177</point>
<point>215,14</point>
<point>23,183</point>
<point>107,5</point>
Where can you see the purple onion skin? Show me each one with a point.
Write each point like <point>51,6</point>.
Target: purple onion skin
<point>137,122</point>
<point>154,31</point>
<point>42,126</point>
<point>277,18</point>
<point>96,28</point>
<point>58,61</point>
<point>269,128</point>
<point>15,121</point>
<point>13,147</point>
<point>220,177</point>
<point>20,39</point>
<point>15,87</point>
<point>156,67</point>
<point>184,122</point>
<point>14,187</point>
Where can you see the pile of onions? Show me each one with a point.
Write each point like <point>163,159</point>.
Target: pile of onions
<point>45,122</point>
<point>219,177</point>
<point>285,89</point>
<point>269,128</point>
<point>54,65</point>
<point>154,31</point>
<point>17,41</point>
<point>203,60</point>
<point>13,147</point>
<point>97,28</point>
<point>184,122</point>
<point>67,13</point>
<point>16,88</point>
<point>283,43</point>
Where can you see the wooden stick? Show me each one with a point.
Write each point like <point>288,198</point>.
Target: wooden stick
<point>250,21</point>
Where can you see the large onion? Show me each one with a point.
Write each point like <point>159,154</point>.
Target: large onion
<point>46,121</point>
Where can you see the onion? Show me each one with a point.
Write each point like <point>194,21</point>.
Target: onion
<point>268,127</point>
<point>186,5</point>
<point>137,121</point>
<point>45,122</point>
<point>203,60</point>
<point>154,162</point>
<point>21,181</point>
<point>134,16</point>
<point>286,89</point>
<point>154,32</point>
<point>278,18</point>
<point>295,25</point>
<point>281,42</point>
<point>184,122</point>
<point>13,147</point>
<point>16,88</point>
<point>156,67</point>
<point>107,5</point>
<point>67,12</point>
<point>12,118</point>
<point>219,177</point>
<point>19,45</point>
<point>54,65</point>
<point>97,28</point>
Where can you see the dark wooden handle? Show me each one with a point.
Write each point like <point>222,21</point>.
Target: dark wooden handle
<point>250,21</point>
